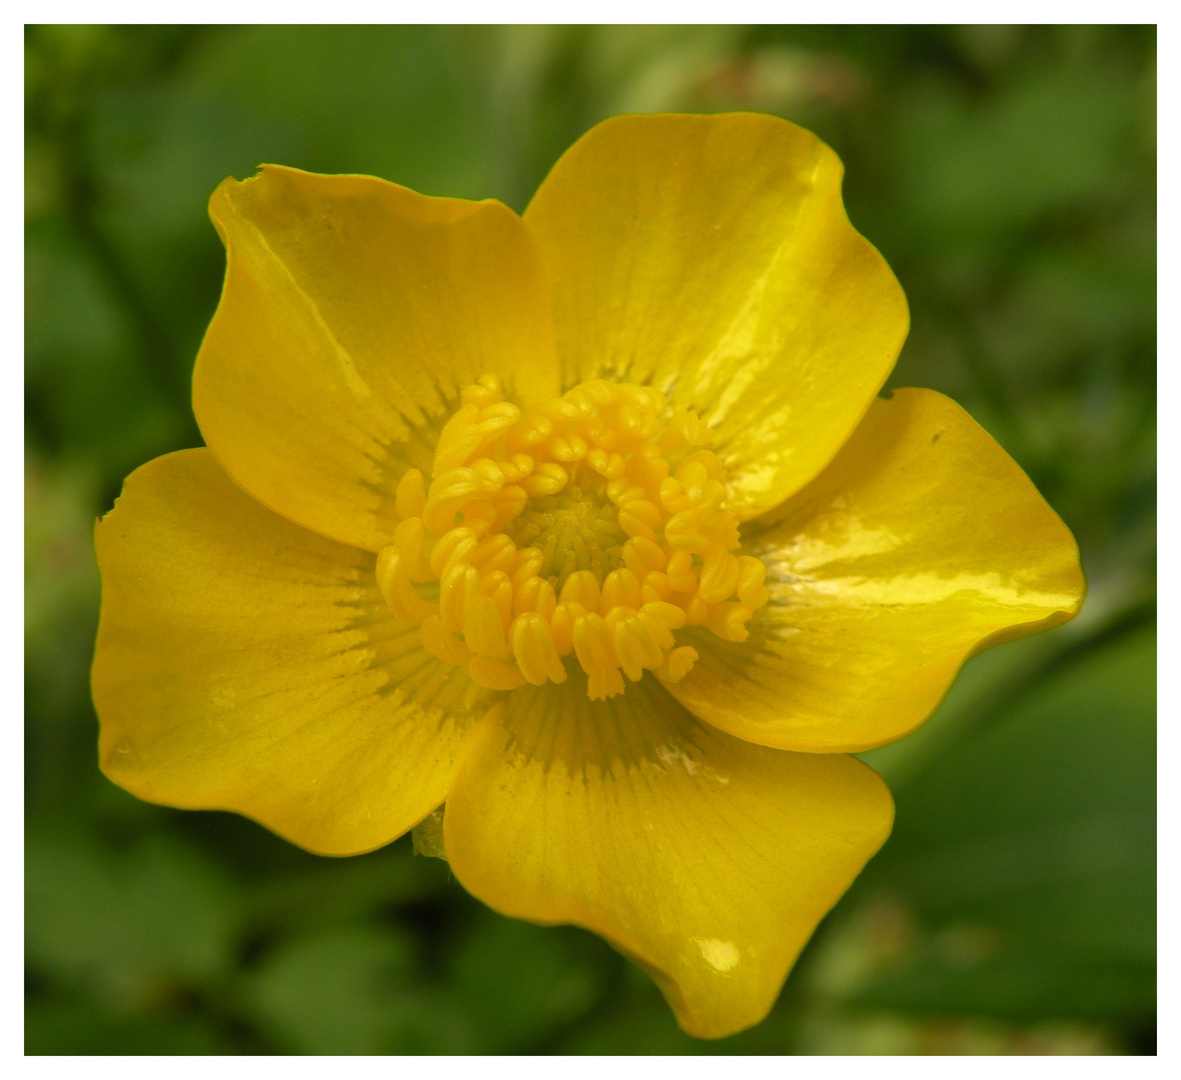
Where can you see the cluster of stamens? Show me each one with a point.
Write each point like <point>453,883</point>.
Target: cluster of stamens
<point>589,526</point>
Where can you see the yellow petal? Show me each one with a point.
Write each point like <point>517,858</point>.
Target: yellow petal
<point>353,313</point>
<point>246,664</point>
<point>712,257</point>
<point>705,858</point>
<point>922,543</point>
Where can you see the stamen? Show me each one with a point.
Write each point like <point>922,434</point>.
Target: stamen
<point>560,533</point>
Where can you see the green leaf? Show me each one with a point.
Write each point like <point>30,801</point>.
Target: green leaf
<point>125,925</point>
<point>1022,871</point>
<point>1043,145</point>
<point>524,982</point>
<point>332,892</point>
<point>349,990</point>
<point>76,1029</point>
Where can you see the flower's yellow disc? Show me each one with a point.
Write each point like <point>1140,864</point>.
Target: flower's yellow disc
<point>591,525</point>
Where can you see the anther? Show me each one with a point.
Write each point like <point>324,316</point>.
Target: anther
<point>533,646</point>
<point>411,495</point>
<point>395,586</point>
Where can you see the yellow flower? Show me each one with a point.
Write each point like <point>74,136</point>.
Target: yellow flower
<point>588,523</point>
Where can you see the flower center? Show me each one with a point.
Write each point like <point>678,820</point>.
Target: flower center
<point>584,529</point>
<point>573,530</point>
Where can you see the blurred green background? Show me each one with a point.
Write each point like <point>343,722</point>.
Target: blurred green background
<point>1007,174</point>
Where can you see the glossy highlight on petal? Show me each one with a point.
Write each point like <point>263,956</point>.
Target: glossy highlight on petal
<point>921,544</point>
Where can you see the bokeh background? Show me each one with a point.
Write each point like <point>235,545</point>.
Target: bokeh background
<point>1007,174</point>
